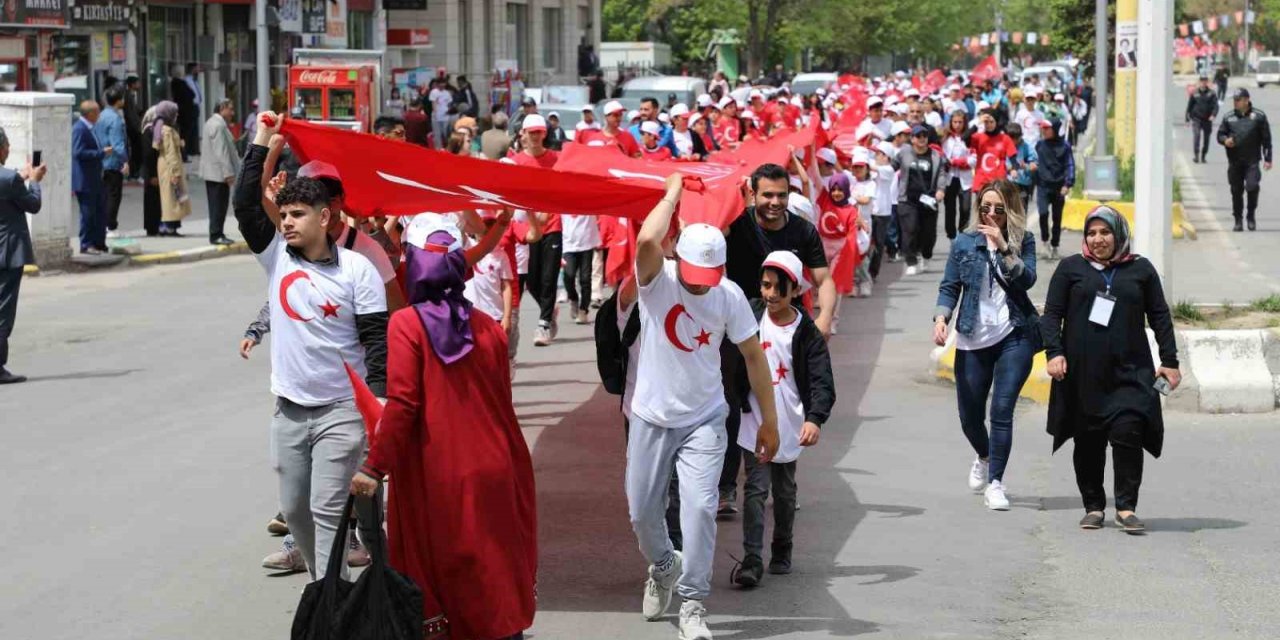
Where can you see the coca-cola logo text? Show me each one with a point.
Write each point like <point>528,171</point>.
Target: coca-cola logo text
<point>318,77</point>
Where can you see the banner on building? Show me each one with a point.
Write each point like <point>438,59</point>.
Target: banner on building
<point>290,13</point>
<point>36,13</point>
<point>313,16</point>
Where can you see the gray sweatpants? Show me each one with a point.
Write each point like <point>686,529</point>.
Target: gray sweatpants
<point>697,454</point>
<point>315,451</point>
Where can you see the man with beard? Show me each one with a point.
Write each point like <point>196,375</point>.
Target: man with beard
<point>764,227</point>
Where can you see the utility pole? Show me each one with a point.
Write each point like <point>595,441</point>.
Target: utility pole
<point>1246,38</point>
<point>1100,179</point>
<point>999,32</point>
<point>264,56</point>
<point>1153,162</point>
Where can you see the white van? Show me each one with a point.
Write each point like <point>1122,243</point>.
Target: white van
<point>1268,72</point>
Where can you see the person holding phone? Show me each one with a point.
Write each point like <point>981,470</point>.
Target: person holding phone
<point>991,267</point>
<point>1105,385</point>
<point>19,195</point>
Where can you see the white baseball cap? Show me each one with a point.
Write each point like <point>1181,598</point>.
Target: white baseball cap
<point>800,205</point>
<point>586,108</point>
<point>861,156</point>
<point>788,263</point>
<point>874,100</point>
<point>726,101</point>
<point>612,107</point>
<point>887,148</point>
<point>827,155</point>
<point>901,109</point>
<point>911,93</point>
<point>891,102</point>
<point>704,101</point>
<point>680,109</point>
<point>424,225</point>
<point>693,119</point>
<point>1058,97</point>
<point>553,114</point>
<point>702,252</point>
<point>632,115</point>
<point>533,122</point>
<point>650,127</point>
<point>755,93</point>
<point>899,127</point>
<point>983,105</point>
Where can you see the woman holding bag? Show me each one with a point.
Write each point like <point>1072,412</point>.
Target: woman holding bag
<point>991,267</point>
<point>1106,387</point>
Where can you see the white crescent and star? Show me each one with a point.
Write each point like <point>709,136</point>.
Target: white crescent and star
<point>329,309</point>
<point>828,219</point>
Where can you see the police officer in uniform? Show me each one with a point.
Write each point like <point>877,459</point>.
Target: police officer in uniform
<point>1202,110</point>
<point>1246,134</point>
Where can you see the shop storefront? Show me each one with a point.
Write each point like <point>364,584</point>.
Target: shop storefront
<point>95,48</point>
<point>169,43</point>
<point>28,29</point>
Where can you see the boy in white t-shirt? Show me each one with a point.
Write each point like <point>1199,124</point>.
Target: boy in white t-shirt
<point>492,284</point>
<point>803,392</point>
<point>678,410</point>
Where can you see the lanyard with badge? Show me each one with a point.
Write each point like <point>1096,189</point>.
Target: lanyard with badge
<point>1104,303</point>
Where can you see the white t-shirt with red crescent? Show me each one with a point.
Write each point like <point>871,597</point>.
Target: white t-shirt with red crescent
<point>313,321</point>
<point>678,381</point>
<point>776,341</point>
<point>484,289</point>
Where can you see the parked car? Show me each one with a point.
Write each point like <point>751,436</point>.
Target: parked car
<point>687,90</point>
<point>805,84</point>
<point>1268,72</point>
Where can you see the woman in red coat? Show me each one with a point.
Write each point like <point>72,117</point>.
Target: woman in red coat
<point>461,519</point>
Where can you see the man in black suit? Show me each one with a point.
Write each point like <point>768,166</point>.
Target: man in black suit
<point>17,199</point>
<point>133,124</point>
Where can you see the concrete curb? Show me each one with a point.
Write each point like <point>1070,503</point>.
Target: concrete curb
<point>195,254</point>
<point>1223,371</point>
<point>190,255</point>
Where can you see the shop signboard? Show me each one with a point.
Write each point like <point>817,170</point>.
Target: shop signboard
<point>118,12</point>
<point>48,14</point>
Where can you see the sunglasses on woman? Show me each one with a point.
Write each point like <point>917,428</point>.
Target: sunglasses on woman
<point>987,209</point>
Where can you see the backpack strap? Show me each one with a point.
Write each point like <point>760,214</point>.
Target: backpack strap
<point>351,238</point>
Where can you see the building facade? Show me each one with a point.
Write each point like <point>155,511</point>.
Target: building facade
<point>79,46</point>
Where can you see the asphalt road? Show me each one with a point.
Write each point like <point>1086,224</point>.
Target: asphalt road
<point>139,492</point>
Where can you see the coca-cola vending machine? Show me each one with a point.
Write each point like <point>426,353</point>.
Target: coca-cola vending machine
<point>334,96</point>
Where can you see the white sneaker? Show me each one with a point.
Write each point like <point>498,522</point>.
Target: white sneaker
<point>693,621</point>
<point>924,265</point>
<point>542,336</point>
<point>864,290</point>
<point>657,589</point>
<point>995,498</point>
<point>978,475</point>
<point>912,270</point>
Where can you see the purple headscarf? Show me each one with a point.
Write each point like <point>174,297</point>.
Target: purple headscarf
<point>434,285</point>
<point>166,111</point>
<point>840,180</point>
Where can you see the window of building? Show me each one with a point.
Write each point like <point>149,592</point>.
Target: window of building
<point>465,63</point>
<point>553,38</point>
<point>518,44</point>
<point>360,30</point>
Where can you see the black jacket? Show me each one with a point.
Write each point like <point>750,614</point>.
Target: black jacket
<point>1202,105</point>
<point>1252,134</point>
<point>811,365</point>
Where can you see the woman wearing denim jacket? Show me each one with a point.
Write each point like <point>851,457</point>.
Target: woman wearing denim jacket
<point>988,275</point>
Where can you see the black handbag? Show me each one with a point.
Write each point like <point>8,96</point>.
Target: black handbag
<point>1032,331</point>
<point>381,604</point>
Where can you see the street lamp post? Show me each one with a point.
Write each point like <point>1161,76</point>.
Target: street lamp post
<point>1153,166</point>
<point>264,56</point>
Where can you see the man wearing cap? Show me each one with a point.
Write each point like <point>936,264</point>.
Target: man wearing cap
<point>922,183</point>
<point>328,311</point>
<point>688,313</point>
<point>555,133</point>
<point>875,116</point>
<point>1029,117</point>
<point>1055,175</point>
<point>728,130</point>
<point>1246,134</point>
<point>528,107</point>
<point>649,112</point>
<point>441,103</point>
<point>545,254</point>
<point>1202,109</point>
<point>588,120</point>
<point>613,132</point>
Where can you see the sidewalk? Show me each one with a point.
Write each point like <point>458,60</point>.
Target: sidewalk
<point>132,243</point>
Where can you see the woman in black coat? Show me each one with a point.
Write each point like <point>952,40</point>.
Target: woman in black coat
<point>1095,339</point>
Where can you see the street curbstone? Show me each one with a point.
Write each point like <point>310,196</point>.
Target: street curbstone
<point>190,255</point>
<point>1231,370</point>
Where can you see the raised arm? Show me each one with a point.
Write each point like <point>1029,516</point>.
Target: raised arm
<point>649,240</point>
<point>256,227</point>
<point>490,240</point>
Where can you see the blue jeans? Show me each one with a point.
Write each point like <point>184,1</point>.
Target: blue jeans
<point>999,370</point>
